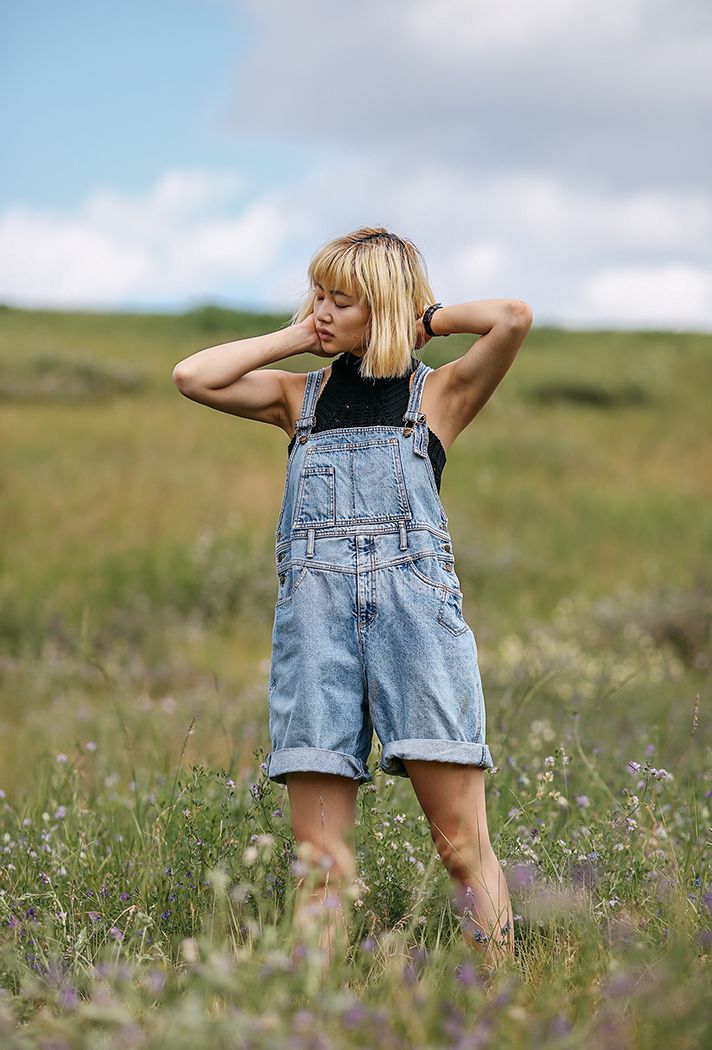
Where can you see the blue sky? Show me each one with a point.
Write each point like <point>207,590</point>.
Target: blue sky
<point>167,153</point>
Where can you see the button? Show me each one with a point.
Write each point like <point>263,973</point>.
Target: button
<point>282,577</point>
<point>447,547</point>
<point>280,556</point>
<point>448,567</point>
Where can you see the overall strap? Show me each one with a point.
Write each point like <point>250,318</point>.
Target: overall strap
<point>414,419</point>
<point>307,419</point>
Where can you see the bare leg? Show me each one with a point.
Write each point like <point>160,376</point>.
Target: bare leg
<point>453,799</point>
<point>323,811</point>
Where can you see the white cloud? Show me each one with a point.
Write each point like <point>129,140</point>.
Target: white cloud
<point>175,242</point>
<point>581,257</point>
<point>671,295</point>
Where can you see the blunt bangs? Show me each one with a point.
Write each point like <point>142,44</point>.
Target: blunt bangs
<point>389,274</point>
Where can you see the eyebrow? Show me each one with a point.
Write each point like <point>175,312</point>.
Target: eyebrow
<point>335,291</point>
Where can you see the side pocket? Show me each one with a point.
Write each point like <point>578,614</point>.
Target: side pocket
<point>450,613</point>
<point>288,580</point>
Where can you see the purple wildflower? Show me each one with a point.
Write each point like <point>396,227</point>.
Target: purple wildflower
<point>155,981</point>
<point>69,997</point>
<point>355,1015</point>
<point>467,975</point>
<point>559,1026</point>
<point>521,876</point>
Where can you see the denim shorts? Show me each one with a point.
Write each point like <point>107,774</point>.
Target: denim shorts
<point>368,628</point>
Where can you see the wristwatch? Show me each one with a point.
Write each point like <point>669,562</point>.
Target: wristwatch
<point>426,319</point>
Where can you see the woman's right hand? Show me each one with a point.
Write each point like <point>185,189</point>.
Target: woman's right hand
<point>309,326</point>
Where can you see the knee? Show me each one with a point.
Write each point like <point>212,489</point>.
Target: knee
<point>464,855</point>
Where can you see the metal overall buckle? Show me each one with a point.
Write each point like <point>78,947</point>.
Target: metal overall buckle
<point>420,418</point>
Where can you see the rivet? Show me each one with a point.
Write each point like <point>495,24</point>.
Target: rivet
<point>447,548</point>
<point>407,432</point>
<point>282,577</point>
<point>302,438</point>
<point>279,557</point>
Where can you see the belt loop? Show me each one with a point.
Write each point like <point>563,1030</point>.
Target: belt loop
<point>310,543</point>
<point>403,537</point>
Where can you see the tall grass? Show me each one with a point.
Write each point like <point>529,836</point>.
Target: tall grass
<point>147,864</point>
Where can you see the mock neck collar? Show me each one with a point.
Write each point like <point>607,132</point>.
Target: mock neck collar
<point>347,365</point>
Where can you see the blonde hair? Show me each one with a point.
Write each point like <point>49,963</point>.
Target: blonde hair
<point>389,274</point>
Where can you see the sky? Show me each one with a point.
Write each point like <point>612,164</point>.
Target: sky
<point>163,155</point>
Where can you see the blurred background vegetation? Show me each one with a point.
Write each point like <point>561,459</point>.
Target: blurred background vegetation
<point>137,580</point>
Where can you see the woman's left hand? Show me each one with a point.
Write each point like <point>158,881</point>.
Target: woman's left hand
<point>421,336</point>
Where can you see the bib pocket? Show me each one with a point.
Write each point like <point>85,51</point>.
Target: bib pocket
<point>316,496</point>
<point>359,483</point>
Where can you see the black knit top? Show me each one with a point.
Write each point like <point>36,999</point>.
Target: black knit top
<point>349,400</point>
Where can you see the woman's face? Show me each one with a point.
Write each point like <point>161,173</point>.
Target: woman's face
<point>339,313</point>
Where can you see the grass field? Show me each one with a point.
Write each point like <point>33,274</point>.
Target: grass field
<point>146,873</point>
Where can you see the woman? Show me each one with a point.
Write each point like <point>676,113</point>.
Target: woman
<point>368,628</point>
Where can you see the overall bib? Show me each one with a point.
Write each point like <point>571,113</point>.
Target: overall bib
<point>368,625</point>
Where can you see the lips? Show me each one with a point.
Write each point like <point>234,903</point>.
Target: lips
<point>322,331</point>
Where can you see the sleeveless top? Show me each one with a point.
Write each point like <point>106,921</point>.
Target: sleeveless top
<point>350,400</point>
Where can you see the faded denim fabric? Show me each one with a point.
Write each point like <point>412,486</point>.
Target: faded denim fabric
<point>368,624</point>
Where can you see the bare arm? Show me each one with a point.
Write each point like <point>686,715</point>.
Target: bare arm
<point>466,384</point>
<point>231,376</point>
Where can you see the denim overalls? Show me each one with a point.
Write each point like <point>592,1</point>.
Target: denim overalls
<point>368,624</point>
